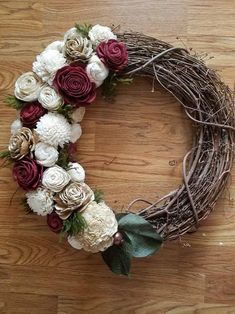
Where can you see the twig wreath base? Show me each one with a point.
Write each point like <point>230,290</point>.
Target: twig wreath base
<point>52,99</point>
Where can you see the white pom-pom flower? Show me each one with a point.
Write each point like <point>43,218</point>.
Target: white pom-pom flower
<point>28,86</point>
<point>76,172</point>
<point>76,132</point>
<point>78,114</point>
<point>40,201</point>
<point>47,64</point>
<point>101,226</point>
<point>15,126</point>
<point>96,70</point>
<point>99,33</point>
<point>45,154</point>
<point>56,45</point>
<point>50,99</point>
<point>55,178</point>
<point>53,129</point>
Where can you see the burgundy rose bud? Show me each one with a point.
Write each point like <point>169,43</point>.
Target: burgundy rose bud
<point>74,85</point>
<point>27,173</point>
<point>118,238</point>
<point>54,222</point>
<point>113,54</point>
<point>31,113</point>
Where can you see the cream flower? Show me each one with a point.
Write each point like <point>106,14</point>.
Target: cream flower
<point>46,155</point>
<point>40,201</point>
<point>101,226</point>
<point>99,33</point>
<point>96,70</point>
<point>78,48</point>
<point>55,178</point>
<point>21,143</point>
<point>78,114</point>
<point>76,132</point>
<point>76,172</point>
<point>56,45</point>
<point>71,33</point>
<point>28,86</point>
<point>50,99</point>
<point>48,63</point>
<point>53,129</point>
<point>15,126</point>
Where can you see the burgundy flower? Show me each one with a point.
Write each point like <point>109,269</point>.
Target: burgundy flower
<point>113,54</point>
<point>31,113</point>
<point>27,173</point>
<point>72,151</point>
<point>54,222</point>
<point>74,85</point>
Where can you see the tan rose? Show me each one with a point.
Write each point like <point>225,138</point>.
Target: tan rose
<point>78,48</point>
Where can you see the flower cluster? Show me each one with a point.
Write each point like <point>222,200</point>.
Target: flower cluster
<point>52,99</point>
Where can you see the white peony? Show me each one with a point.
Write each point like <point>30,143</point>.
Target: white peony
<point>48,63</point>
<point>76,172</point>
<point>28,86</point>
<point>15,126</point>
<point>40,201</point>
<point>50,99</point>
<point>55,178</point>
<point>56,45</point>
<point>99,33</point>
<point>101,226</point>
<point>76,132</point>
<point>96,70</point>
<point>78,114</point>
<point>46,155</point>
<point>53,129</point>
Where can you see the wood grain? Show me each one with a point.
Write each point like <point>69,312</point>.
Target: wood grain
<point>131,147</point>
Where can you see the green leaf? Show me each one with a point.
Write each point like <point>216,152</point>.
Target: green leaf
<point>99,195</point>
<point>66,111</point>
<point>111,82</point>
<point>14,103</point>
<point>83,29</point>
<point>5,154</point>
<point>73,225</point>
<point>143,237</point>
<point>64,158</point>
<point>118,258</point>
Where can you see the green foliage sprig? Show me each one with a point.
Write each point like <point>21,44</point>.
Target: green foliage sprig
<point>111,82</point>
<point>73,225</point>
<point>66,111</point>
<point>14,103</point>
<point>99,195</point>
<point>83,29</point>
<point>64,158</point>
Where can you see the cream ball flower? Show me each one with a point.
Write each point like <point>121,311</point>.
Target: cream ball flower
<point>53,129</point>
<point>28,86</point>
<point>56,45</point>
<point>15,126</point>
<point>55,178</point>
<point>40,201</point>
<point>45,154</point>
<point>76,172</point>
<point>96,70</point>
<point>78,114</point>
<point>48,63</point>
<point>99,33</point>
<point>50,99</point>
<point>76,132</point>
<point>101,226</point>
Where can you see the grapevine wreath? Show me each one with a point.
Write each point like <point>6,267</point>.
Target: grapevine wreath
<point>50,101</point>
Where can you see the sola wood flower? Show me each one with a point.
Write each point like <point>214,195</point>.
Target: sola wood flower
<point>40,201</point>
<point>31,113</point>
<point>77,47</point>
<point>99,33</point>
<point>75,196</point>
<point>96,70</point>
<point>54,222</point>
<point>49,98</point>
<point>46,155</point>
<point>15,126</point>
<point>76,172</point>
<point>78,114</point>
<point>101,226</point>
<point>27,87</point>
<point>21,143</point>
<point>55,178</point>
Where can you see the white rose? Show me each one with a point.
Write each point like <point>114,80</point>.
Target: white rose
<point>99,33</point>
<point>55,178</point>
<point>50,99</point>
<point>101,226</point>
<point>15,126</point>
<point>56,45</point>
<point>46,155</point>
<point>76,172</point>
<point>48,63</point>
<point>40,201</point>
<point>78,114</point>
<point>76,132</point>
<point>28,86</point>
<point>96,70</point>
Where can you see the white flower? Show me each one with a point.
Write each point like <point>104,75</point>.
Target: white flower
<point>46,155</point>
<point>15,126</point>
<point>53,129</point>
<point>48,63</point>
<point>56,45</point>
<point>55,178</point>
<point>78,114</point>
<point>101,226</point>
<point>50,99</point>
<point>28,86</point>
<point>76,172</point>
<point>40,201</point>
<point>100,33</point>
<point>96,70</point>
<point>76,132</point>
<point>71,33</point>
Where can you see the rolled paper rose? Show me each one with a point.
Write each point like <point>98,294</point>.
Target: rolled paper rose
<point>74,85</point>
<point>28,86</point>
<point>99,33</point>
<point>31,113</point>
<point>114,54</point>
<point>96,70</point>
<point>55,178</point>
<point>54,222</point>
<point>27,173</point>
<point>46,155</point>
<point>50,99</point>
<point>21,143</point>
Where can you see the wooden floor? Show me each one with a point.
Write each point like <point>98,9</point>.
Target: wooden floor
<point>130,148</point>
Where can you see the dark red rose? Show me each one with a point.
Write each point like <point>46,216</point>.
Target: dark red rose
<point>31,113</point>
<point>113,54</point>
<point>27,173</point>
<point>54,222</point>
<point>74,85</point>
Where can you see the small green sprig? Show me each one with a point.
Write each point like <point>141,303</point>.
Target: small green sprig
<point>73,225</point>
<point>14,103</point>
<point>99,195</point>
<point>83,29</point>
<point>111,82</point>
<point>64,158</point>
<point>66,111</point>
<point>6,156</point>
